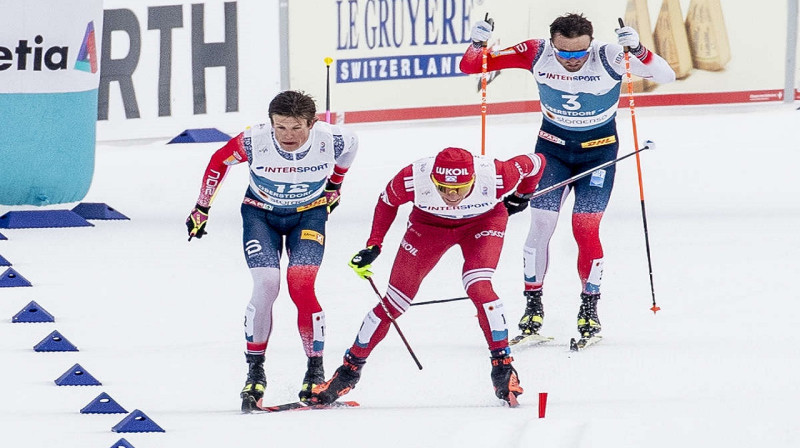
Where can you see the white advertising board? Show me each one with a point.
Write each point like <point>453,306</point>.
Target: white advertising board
<point>171,65</point>
<point>398,59</point>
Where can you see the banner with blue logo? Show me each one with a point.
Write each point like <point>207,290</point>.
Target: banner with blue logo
<point>49,76</point>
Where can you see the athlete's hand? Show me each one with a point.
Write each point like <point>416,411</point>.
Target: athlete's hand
<point>516,202</point>
<point>196,222</point>
<point>362,261</point>
<point>332,195</point>
<point>482,31</point>
<point>628,37</point>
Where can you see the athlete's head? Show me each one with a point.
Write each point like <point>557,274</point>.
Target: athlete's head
<point>571,37</point>
<point>292,114</point>
<point>453,174</point>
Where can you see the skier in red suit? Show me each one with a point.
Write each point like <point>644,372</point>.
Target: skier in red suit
<point>459,199</point>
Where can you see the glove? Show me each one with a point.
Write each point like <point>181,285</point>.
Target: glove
<point>362,261</point>
<point>516,203</point>
<point>628,37</point>
<point>332,195</point>
<point>482,31</point>
<point>196,222</point>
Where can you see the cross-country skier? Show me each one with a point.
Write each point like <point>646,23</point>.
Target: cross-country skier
<point>458,200</point>
<point>297,166</point>
<point>579,85</point>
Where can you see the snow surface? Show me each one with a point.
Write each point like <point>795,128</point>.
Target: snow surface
<point>159,320</point>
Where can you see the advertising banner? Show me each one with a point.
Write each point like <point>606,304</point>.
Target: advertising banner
<point>398,59</point>
<point>171,65</point>
<point>49,74</point>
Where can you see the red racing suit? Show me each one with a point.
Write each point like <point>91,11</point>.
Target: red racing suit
<point>431,233</point>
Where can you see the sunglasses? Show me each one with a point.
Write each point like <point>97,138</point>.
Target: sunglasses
<point>572,54</point>
<point>460,189</point>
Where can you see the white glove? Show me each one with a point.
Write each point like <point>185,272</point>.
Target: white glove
<point>627,37</point>
<point>482,31</point>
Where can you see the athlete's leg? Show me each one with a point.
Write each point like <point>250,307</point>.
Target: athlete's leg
<point>481,244</point>
<point>544,217</point>
<point>421,248</point>
<point>592,194</point>
<point>305,244</point>
<point>262,249</point>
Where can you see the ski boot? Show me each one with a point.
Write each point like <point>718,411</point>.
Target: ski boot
<point>588,322</point>
<point>255,385</point>
<point>315,375</point>
<point>532,320</point>
<point>504,377</point>
<point>343,379</point>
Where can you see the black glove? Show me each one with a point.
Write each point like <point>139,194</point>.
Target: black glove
<point>196,222</point>
<point>332,195</point>
<point>516,203</point>
<point>362,261</point>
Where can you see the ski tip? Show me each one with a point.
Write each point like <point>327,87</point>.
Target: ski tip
<point>573,345</point>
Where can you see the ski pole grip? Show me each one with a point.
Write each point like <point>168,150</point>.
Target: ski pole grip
<point>490,22</point>
<point>621,25</point>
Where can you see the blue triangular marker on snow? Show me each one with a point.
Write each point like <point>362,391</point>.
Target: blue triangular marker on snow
<point>122,443</point>
<point>137,421</point>
<point>103,404</point>
<point>3,237</point>
<point>55,342</point>
<point>11,278</point>
<point>36,219</point>
<point>4,262</point>
<point>33,313</point>
<point>97,210</point>
<point>203,135</point>
<point>77,376</point>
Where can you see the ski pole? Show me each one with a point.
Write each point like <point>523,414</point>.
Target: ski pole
<point>649,144</point>
<point>430,302</point>
<point>655,307</point>
<point>328,62</point>
<point>484,70</point>
<point>394,322</point>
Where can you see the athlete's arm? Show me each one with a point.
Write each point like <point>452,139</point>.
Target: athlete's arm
<point>231,154</point>
<point>644,63</point>
<point>345,144</point>
<point>398,191</point>
<point>520,55</point>
<point>522,172</point>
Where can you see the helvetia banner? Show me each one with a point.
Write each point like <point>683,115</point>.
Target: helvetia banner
<point>49,76</point>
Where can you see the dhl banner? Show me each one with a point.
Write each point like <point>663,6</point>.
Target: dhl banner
<point>398,59</point>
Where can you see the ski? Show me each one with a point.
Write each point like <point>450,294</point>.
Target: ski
<point>577,345</point>
<point>530,339</point>
<point>303,406</point>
